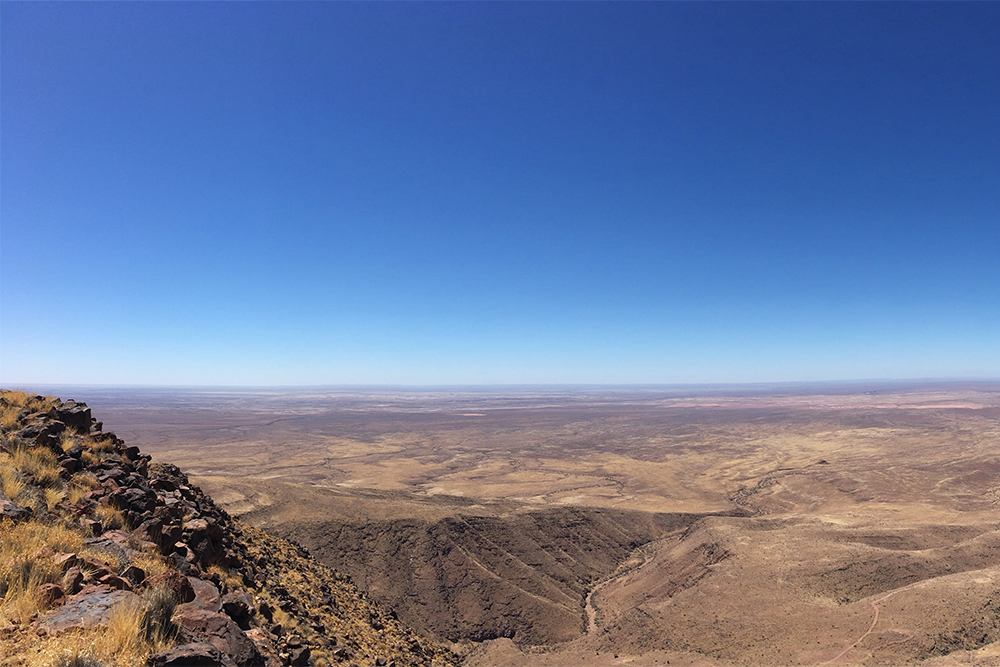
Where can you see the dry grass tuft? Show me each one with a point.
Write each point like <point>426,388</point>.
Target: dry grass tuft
<point>8,415</point>
<point>110,517</point>
<point>39,462</point>
<point>53,497</point>
<point>13,402</point>
<point>79,485</point>
<point>23,569</point>
<point>98,446</point>
<point>10,408</point>
<point>151,564</point>
<point>67,440</point>
<point>123,639</point>
<point>158,606</point>
<point>10,481</point>
<point>231,579</point>
<point>77,657</point>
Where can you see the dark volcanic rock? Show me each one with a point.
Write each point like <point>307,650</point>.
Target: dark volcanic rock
<point>90,607</point>
<point>206,596</point>
<point>238,605</point>
<point>42,433</point>
<point>74,415</point>
<point>49,594</point>
<point>197,654</point>
<point>219,631</point>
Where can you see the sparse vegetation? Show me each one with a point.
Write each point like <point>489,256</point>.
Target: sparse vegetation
<point>110,517</point>
<point>26,564</point>
<point>12,403</point>
<point>10,480</point>
<point>158,607</point>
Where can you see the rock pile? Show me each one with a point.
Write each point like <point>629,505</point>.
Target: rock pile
<point>238,596</point>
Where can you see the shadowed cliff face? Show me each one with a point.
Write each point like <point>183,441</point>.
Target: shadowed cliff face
<point>523,577</point>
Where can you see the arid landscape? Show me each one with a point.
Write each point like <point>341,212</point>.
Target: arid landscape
<point>778,525</point>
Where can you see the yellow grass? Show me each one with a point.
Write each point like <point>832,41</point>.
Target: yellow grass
<point>24,567</point>
<point>110,517</point>
<point>39,462</point>
<point>125,642</point>
<point>123,638</point>
<point>52,497</point>
<point>14,402</point>
<point>231,579</point>
<point>151,564</point>
<point>10,482</point>
<point>8,415</point>
<point>67,440</point>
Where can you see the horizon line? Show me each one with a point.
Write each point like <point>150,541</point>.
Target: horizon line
<point>513,385</point>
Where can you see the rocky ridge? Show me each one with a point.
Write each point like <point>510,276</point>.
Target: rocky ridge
<point>95,536</point>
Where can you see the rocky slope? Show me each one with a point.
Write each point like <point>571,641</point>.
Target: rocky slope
<point>524,576</point>
<point>109,559</point>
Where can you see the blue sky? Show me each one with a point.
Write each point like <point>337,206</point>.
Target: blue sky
<point>326,193</point>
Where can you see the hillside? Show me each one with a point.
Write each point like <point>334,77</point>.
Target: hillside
<point>109,559</point>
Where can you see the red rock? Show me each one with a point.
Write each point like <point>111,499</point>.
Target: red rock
<point>66,561</point>
<point>195,654</point>
<point>219,631</point>
<point>91,606</point>
<point>49,594</point>
<point>206,596</point>
<point>72,580</point>
<point>114,581</point>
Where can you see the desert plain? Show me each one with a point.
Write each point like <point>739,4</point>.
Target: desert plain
<point>821,524</point>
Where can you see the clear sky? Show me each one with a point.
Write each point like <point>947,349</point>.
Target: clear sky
<point>327,193</point>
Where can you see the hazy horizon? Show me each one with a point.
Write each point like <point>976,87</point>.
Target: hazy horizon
<point>411,194</point>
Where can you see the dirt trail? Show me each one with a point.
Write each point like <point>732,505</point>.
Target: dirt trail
<point>625,569</point>
<point>874,604</point>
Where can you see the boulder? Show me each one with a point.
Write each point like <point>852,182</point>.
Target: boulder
<point>197,625</point>
<point>238,605</point>
<point>43,434</point>
<point>196,654</point>
<point>134,575</point>
<point>68,466</point>
<point>74,415</point>
<point>299,657</point>
<point>265,646</point>
<point>91,606</point>
<point>114,581</point>
<point>206,596</point>
<point>72,580</point>
<point>49,595</point>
